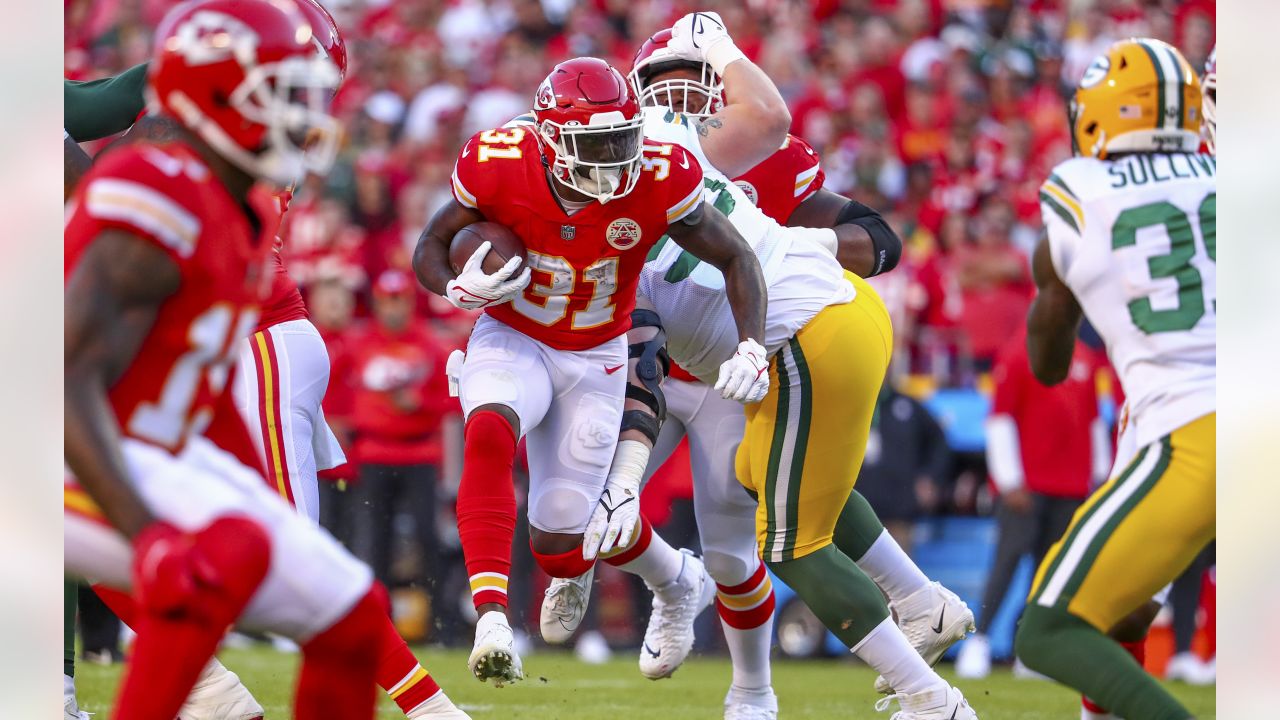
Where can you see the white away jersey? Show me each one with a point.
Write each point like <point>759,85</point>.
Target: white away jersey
<point>689,296</point>
<point>1135,238</point>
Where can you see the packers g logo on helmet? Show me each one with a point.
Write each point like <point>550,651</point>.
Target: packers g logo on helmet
<point>1141,95</point>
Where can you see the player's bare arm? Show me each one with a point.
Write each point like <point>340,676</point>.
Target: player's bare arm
<point>75,163</point>
<point>865,244</point>
<point>431,256</point>
<point>710,237</point>
<point>754,120</point>
<point>1053,321</point>
<point>111,302</point>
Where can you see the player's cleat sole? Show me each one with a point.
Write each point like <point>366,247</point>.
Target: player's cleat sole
<point>494,658</point>
<point>498,667</point>
<point>945,621</point>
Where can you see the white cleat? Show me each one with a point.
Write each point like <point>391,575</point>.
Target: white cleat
<point>974,661</point>
<point>219,695</point>
<point>933,618</point>
<point>941,703</point>
<point>71,710</point>
<point>1189,668</point>
<point>494,656</point>
<point>669,636</point>
<point>742,704</point>
<point>592,648</point>
<point>437,707</point>
<point>564,605</point>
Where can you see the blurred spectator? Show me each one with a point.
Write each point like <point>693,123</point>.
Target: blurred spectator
<point>1046,451</point>
<point>331,306</point>
<point>399,397</point>
<point>907,464</point>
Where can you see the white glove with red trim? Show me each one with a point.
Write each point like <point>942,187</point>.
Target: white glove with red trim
<point>745,376</point>
<point>473,289</point>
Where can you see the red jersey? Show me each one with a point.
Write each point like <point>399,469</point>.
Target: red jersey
<point>586,265</point>
<point>399,393</point>
<point>1054,423</point>
<point>168,196</point>
<point>284,302</point>
<point>784,179</point>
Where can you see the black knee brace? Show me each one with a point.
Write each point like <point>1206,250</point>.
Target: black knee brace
<point>652,367</point>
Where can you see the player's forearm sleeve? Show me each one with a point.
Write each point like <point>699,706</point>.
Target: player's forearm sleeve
<point>98,108</point>
<point>1004,457</point>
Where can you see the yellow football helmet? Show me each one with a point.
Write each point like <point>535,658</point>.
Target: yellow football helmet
<point>1141,95</point>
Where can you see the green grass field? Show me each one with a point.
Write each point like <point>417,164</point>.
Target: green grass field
<point>560,688</point>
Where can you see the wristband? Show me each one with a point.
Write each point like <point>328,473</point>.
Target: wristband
<point>721,54</point>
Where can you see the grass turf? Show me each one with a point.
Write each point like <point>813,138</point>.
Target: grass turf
<point>558,687</point>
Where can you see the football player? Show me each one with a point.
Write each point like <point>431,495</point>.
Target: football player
<point>282,374</point>
<point>794,462</point>
<point>165,263</point>
<point>589,197</point>
<point>1130,242</point>
<point>787,187</point>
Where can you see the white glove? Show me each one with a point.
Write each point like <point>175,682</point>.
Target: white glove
<point>473,289</point>
<point>702,37</point>
<point>745,376</point>
<point>617,514</point>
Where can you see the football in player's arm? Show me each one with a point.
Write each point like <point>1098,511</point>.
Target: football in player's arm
<point>704,232</point>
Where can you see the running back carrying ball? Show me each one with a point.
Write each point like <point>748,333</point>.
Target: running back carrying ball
<point>504,246</point>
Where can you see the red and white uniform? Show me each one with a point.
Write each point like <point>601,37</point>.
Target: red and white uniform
<point>184,446</point>
<point>282,377</point>
<point>715,426</point>
<point>783,180</point>
<point>557,354</point>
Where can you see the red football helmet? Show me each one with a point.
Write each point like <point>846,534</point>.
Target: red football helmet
<point>590,128</point>
<point>696,98</point>
<point>1209,101</point>
<point>324,34</point>
<point>245,76</point>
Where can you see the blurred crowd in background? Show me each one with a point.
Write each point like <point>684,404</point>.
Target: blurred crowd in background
<point>945,115</point>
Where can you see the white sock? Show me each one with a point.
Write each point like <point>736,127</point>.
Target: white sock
<point>891,568</point>
<point>749,650</point>
<point>887,651</point>
<point>659,566</point>
<point>68,686</point>
<point>1087,714</point>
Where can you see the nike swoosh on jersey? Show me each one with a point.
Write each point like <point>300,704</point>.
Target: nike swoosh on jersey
<point>611,370</point>
<point>684,162</point>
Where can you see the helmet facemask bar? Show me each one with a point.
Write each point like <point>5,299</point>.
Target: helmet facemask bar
<point>700,98</point>
<point>601,160</point>
<point>291,100</point>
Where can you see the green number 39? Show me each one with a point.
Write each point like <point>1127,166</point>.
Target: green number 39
<point>1175,264</point>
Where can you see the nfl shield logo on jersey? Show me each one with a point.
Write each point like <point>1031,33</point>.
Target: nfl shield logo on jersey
<point>567,232</point>
<point>749,190</point>
<point>623,233</point>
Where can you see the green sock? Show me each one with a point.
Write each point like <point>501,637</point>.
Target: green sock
<point>70,601</point>
<point>1073,652</point>
<point>857,528</point>
<point>841,595</point>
